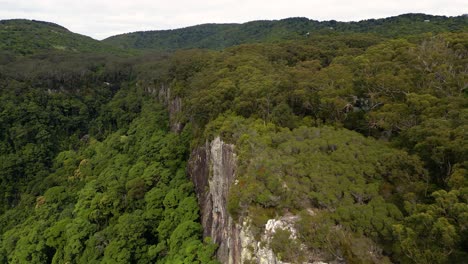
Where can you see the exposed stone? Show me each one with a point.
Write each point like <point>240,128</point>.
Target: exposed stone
<point>285,223</point>
<point>212,170</point>
<point>260,252</point>
<point>173,104</point>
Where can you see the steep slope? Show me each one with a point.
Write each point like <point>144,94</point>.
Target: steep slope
<point>21,36</point>
<point>218,36</point>
<point>275,202</point>
<point>277,169</point>
<point>89,171</point>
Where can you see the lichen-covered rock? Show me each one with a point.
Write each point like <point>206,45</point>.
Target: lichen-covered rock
<point>260,251</point>
<point>285,223</point>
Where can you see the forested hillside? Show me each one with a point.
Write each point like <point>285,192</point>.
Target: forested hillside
<point>402,196</point>
<point>219,36</point>
<point>21,36</point>
<point>90,172</point>
<point>358,132</point>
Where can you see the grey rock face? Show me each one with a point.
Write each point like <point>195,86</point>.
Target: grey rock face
<point>173,104</point>
<point>212,170</point>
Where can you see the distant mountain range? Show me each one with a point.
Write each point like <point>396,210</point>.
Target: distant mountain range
<point>218,36</point>
<point>20,36</point>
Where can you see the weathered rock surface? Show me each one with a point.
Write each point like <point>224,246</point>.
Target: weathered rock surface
<point>212,169</point>
<point>173,104</point>
<point>259,251</point>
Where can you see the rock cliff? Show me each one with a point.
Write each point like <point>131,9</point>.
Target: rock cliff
<point>173,104</point>
<point>212,169</point>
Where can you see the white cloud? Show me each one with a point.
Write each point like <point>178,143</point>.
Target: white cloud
<point>100,19</point>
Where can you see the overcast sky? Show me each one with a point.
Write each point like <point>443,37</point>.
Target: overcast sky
<point>101,19</point>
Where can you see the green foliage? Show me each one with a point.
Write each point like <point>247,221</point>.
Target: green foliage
<point>24,37</point>
<point>286,249</point>
<point>59,106</point>
<point>359,128</point>
<point>219,36</point>
<point>124,199</point>
<point>436,232</point>
<point>335,170</point>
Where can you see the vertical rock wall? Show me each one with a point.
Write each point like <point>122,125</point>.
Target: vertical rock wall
<point>174,106</point>
<point>212,170</point>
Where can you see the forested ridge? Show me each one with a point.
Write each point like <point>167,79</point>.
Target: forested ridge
<point>363,124</point>
<point>219,36</point>
<point>25,37</point>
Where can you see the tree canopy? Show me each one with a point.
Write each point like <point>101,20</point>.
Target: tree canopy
<point>359,129</point>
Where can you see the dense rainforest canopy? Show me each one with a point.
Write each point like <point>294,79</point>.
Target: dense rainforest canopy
<point>365,123</point>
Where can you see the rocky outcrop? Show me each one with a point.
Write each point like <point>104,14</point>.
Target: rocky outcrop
<point>173,104</point>
<point>212,169</point>
<point>259,251</point>
<point>253,250</point>
<point>174,107</point>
